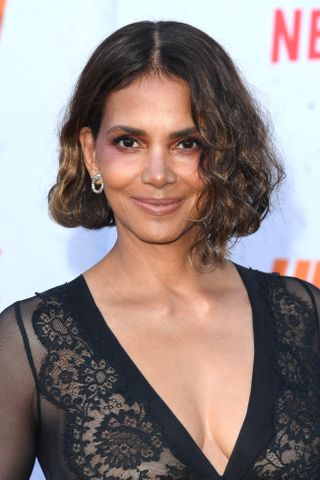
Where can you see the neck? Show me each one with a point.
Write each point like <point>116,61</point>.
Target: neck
<point>159,267</point>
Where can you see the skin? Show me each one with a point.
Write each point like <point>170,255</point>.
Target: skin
<point>195,338</point>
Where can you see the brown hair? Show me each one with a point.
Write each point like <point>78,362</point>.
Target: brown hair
<point>237,164</point>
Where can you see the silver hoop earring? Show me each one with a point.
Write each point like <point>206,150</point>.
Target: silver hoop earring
<point>97,188</point>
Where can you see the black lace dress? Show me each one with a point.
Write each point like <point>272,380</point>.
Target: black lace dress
<point>71,396</point>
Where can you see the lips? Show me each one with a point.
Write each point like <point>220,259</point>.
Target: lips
<point>158,206</point>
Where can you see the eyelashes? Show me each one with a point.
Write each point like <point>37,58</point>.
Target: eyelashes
<point>127,142</point>
<point>189,142</point>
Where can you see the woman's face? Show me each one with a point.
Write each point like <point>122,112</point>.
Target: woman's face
<point>147,152</point>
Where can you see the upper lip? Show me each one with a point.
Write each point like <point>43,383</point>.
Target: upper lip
<point>158,201</point>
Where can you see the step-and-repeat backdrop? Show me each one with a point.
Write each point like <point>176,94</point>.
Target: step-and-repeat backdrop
<point>44,44</point>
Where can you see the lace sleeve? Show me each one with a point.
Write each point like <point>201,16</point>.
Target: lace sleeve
<point>314,293</point>
<point>17,394</point>
<point>311,295</point>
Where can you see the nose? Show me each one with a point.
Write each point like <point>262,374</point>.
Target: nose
<point>157,170</point>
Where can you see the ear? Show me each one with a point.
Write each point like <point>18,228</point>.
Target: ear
<point>87,141</point>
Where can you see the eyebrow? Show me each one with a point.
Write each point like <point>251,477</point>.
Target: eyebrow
<point>136,131</point>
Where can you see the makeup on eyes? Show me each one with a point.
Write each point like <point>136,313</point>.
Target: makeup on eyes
<point>128,142</point>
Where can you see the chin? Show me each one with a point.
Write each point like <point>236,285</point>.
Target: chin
<point>158,231</point>
<point>161,237</point>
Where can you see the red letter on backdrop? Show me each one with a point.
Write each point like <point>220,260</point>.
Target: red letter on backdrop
<point>280,33</point>
<point>314,35</point>
<point>280,265</point>
<point>2,5</point>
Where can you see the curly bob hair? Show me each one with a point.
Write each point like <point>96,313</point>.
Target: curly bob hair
<point>238,164</point>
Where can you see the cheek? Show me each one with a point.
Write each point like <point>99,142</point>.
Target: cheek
<point>191,177</point>
<point>116,170</point>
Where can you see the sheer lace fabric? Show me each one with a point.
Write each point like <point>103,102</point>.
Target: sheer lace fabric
<point>294,452</point>
<point>70,397</point>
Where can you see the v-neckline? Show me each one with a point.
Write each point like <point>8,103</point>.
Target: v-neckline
<point>241,455</point>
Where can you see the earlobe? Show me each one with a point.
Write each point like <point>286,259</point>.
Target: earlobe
<point>87,142</point>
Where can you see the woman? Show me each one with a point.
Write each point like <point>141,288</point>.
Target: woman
<point>164,360</point>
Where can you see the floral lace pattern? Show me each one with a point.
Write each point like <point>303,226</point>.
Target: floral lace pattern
<point>109,433</point>
<point>294,452</point>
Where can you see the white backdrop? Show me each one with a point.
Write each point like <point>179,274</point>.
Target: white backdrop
<point>44,44</point>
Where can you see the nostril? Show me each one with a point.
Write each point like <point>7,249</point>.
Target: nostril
<point>158,172</point>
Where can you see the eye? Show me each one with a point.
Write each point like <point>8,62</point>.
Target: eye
<point>125,142</point>
<point>189,144</point>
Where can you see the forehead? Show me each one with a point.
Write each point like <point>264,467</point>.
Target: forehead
<point>151,97</point>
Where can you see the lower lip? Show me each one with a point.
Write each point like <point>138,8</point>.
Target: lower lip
<point>160,209</point>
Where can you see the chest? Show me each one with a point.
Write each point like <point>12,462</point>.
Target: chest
<point>114,420</point>
<point>200,367</point>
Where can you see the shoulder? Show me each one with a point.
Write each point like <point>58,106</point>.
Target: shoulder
<point>288,292</point>
<point>30,303</point>
<point>58,292</point>
<point>280,291</point>
<point>301,288</point>
<point>46,317</point>
<point>23,311</point>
